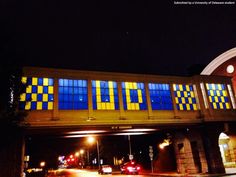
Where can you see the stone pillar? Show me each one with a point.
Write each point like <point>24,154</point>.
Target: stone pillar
<point>190,155</point>
<point>210,136</point>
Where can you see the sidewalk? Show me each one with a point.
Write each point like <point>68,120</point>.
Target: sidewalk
<point>229,172</point>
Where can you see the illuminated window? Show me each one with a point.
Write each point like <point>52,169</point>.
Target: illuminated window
<point>218,96</point>
<point>160,96</point>
<point>134,97</point>
<point>38,95</point>
<point>184,97</point>
<point>72,94</point>
<point>105,95</point>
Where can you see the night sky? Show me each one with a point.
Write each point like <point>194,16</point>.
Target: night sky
<point>150,37</point>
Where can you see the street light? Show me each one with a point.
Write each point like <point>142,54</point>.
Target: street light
<point>91,140</point>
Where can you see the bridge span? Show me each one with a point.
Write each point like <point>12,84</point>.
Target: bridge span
<point>196,110</point>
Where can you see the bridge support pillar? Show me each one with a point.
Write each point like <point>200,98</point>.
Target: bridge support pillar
<point>210,136</point>
<point>190,154</point>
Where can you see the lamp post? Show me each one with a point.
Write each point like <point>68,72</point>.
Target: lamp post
<point>92,140</point>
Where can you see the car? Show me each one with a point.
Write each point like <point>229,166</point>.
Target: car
<point>131,167</point>
<point>105,169</point>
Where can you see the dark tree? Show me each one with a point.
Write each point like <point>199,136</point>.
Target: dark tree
<point>11,119</point>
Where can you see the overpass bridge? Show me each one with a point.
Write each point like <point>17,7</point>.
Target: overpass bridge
<point>197,109</point>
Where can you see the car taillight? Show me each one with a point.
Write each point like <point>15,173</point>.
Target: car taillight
<point>138,168</point>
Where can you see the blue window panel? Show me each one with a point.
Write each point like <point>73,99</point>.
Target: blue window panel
<point>45,89</point>
<point>29,81</point>
<point>76,98</point>
<point>66,82</point>
<point>40,81</point>
<point>60,82</point>
<point>70,83</point>
<point>60,90</point>
<point>50,82</point>
<point>61,98</point>
<point>50,97</point>
<point>28,97</point>
<point>45,105</point>
<point>66,98</point>
<point>70,98</point>
<point>34,89</point>
<point>33,105</point>
<point>39,97</point>
<point>70,89</point>
<point>61,105</point>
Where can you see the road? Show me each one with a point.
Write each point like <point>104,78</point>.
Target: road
<point>85,173</point>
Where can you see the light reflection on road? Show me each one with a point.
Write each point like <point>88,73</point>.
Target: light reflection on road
<point>85,173</point>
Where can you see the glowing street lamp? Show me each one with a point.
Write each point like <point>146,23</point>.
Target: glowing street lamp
<point>91,140</point>
<point>42,164</point>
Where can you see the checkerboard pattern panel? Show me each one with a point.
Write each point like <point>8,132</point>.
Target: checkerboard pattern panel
<point>218,96</point>
<point>39,94</point>
<point>184,97</point>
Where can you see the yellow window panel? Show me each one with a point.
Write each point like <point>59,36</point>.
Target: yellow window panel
<point>29,89</point>
<point>50,89</point>
<point>216,99</point>
<point>213,86</point>
<point>194,106</point>
<point>217,92</point>
<point>178,94</point>
<point>207,86</point>
<point>224,93</point>
<point>181,87</point>
<point>137,106</point>
<point>212,93</point>
<point>181,107</point>
<point>210,99</point>
<point>128,100</point>
<point>24,80</point>
<point>183,100</point>
<point>99,106</point>
<point>108,106</point>
<point>103,106</point>
<point>187,88</point>
<point>192,94</point>
<point>174,87</point>
<point>34,81</point>
<point>222,99</point>
<point>113,106</point>
<point>140,99</point>
<point>176,100</point>
<point>45,97</point>
<point>33,97</point>
<point>97,84</point>
<point>110,84</point>
<point>112,98</point>
<point>227,105</point>
<point>23,97</point>
<point>28,106</point>
<point>221,106</point>
<point>111,91</point>
<point>128,106</point>
<point>45,81</point>
<point>188,107</point>
<point>185,94</point>
<point>190,100</point>
<point>214,105</point>
<point>132,106</point>
<point>39,105</point>
<point>50,105</point>
<point>219,87</point>
<point>40,89</point>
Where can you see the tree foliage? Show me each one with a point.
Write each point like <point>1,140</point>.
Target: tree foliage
<point>10,91</point>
